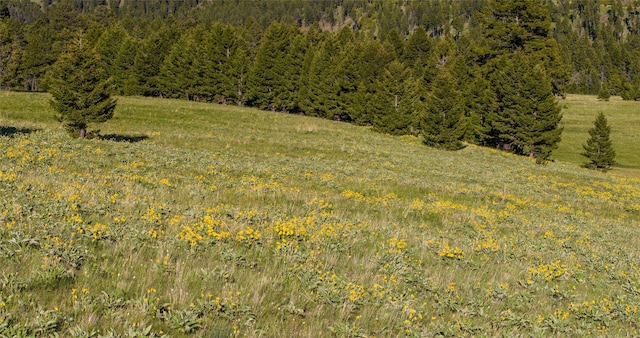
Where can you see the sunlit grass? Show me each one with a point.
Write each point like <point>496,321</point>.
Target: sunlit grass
<point>579,113</point>
<point>205,220</point>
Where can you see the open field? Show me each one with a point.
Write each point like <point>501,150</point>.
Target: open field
<point>205,220</point>
<point>624,118</point>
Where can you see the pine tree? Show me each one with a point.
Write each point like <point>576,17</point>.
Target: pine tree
<point>523,26</point>
<point>123,66</point>
<point>215,64</point>
<point>516,25</point>
<point>441,121</point>
<point>81,94</point>
<point>393,41</point>
<point>272,79</point>
<point>178,76</point>
<point>202,65</point>
<point>38,54</point>
<point>396,94</point>
<point>318,92</point>
<point>251,34</point>
<point>11,51</point>
<point>480,102</point>
<point>144,74</point>
<point>603,94</point>
<point>527,117</point>
<point>598,148</point>
<point>108,46</point>
<point>361,68</point>
<point>417,50</point>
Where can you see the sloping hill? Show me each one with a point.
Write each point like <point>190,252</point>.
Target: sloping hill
<point>189,218</point>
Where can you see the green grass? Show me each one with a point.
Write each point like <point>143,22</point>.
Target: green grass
<point>202,220</point>
<point>579,113</point>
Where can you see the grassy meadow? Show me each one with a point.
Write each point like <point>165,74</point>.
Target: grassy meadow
<point>579,112</point>
<point>190,219</point>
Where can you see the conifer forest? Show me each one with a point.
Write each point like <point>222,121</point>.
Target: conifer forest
<point>450,71</point>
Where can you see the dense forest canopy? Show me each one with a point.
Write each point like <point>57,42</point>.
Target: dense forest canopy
<point>449,70</point>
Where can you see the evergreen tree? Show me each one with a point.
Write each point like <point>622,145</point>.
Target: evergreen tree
<point>122,70</point>
<point>239,63</point>
<point>178,76</point>
<point>603,94</point>
<point>297,53</point>
<point>215,64</point>
<point>417,49</point>
<point>527,117</point>
<point>393,41</point>
<point>11,51</point>
<point>251,34</point>
<point>516,25</point>
<point>441,120</point>
<point>272,81</point>
<point>523,26</point>
<point>477,96</point>
<point>203,65</point>
<point>631,50</point>
<point>598,149</point>
<point>38,54</point>
<point>108,45</point>
<point>81,94</point>
<point>150,54</point>
<point>442,55</point>
<point>319,91</point>
<point>397,91</point>
<point>480,102</point>
<point>360,69</point>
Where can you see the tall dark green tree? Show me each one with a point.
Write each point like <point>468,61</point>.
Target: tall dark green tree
<point>480,102</point>
<point>251,34</point>
<point>360,69</point>
<point>523,26</point>
<point>393,41</point>
<point>178,73</point>
<point>11,51</point>
<point>206,64</point>
<point>81,93</point>
<point>122,70</point>
<point>599,149</point>
<point>416,51</point>
<point>108,46</point>
<point>38,55</point>
<point>441,121</point>
<point>272,82</point>
<point>319,91</point>
<point>516,25</point>
<point>217,64</point>
<point>527,118</point>
<point>396,98</point>
<point>150,53</point>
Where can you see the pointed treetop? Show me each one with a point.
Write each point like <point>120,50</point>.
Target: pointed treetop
<point>599,149</point>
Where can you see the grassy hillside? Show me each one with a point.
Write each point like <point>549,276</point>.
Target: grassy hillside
<point>195,219</point>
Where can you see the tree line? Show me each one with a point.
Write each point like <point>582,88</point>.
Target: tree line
<point>484,72</point>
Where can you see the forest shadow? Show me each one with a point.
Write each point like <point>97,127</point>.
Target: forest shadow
<point>123,138</point>
<point>13,131</point>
